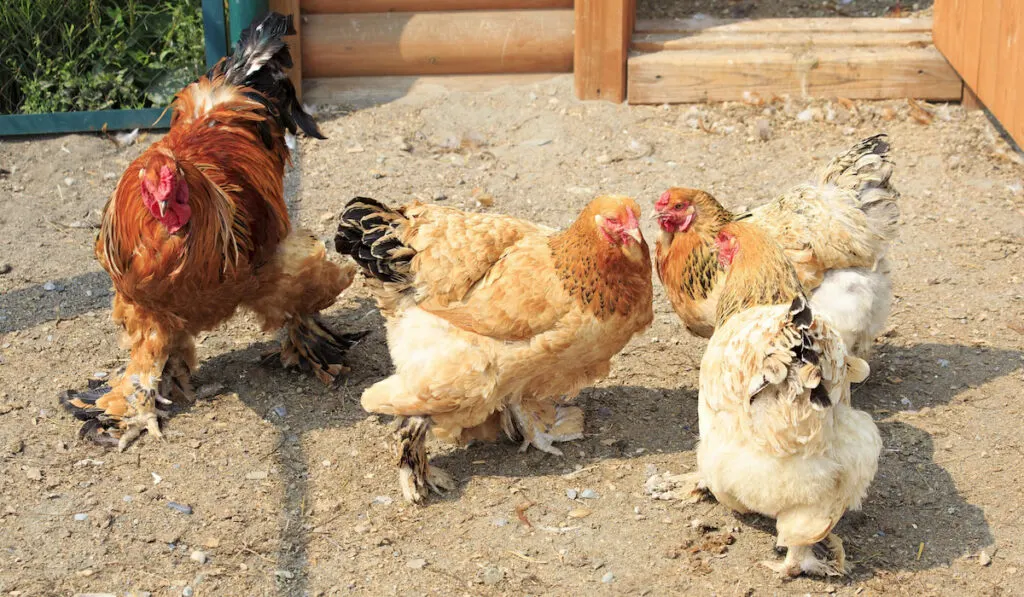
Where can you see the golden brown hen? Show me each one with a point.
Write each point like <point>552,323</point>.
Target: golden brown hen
<point>836,232</point>
<point>493,321</point>
<point>198,227</point>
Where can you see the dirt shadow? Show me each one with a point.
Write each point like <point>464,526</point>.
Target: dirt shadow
<point>907,378</point>
<point>622,422</point>
<point>68,298</point>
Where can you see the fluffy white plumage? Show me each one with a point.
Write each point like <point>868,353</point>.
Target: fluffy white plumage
<point>768,446</point>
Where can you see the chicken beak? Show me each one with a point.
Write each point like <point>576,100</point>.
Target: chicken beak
<point>634,233</point>
<point>163,207</point>
<point>655,215</point>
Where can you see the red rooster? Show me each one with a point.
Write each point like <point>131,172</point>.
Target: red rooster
<point>198,227</point>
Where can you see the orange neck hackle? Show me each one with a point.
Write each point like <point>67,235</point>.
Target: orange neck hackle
<point>603,259</point>
<point>758,271</point>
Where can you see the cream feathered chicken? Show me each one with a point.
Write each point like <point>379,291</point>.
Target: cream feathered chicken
<point>836,233</point>
<point>493,321</point>
<point>778,435</point>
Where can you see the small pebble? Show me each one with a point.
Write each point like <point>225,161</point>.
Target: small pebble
<point>68,181</point>
<point>608,577</point>
<point>49,287</point>
<point>126,498</point>
<point>33,473</point>
<point>943,363</point>
<point>589,494</point>
<point>15,446</point>
<point>492,575</point>
<point>5,268</point>
<point>500,522</point>
<point>416,564</point>
<point>81,516</point>
<point>984,559</point>
<point>199,557</point>
<point>187,592</point>
<point>383,500</point>
<point>280,411</point>
<point>256,475</point>
<point>183,508</point>
<point>286,574</point>
<point>440,196</point>
<point>571,493</point>
<point>100,375</point>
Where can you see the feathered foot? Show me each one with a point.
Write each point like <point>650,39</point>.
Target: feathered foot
<point>415,475</point>
<point>311,345</point>
<point>542,427</point>
<point>826,558</point>
<point>176,381</point>
<point>118,416</point>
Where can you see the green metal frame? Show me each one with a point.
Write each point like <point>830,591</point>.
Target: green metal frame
<point>215,34</point>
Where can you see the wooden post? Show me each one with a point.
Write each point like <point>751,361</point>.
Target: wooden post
<point>969,101</point>
<point>291,7</point>
<point>603,32</point>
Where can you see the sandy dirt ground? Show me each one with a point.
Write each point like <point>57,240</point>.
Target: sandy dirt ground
<point>272,484</point>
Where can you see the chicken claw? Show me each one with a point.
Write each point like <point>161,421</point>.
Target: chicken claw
<point>826,558</point>
<point>308,343</point>
<point>118,416</point>
<point>415,475</point>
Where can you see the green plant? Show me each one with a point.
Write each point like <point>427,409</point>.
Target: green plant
<point>67,55</point>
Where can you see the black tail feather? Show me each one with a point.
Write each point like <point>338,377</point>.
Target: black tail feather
<point>259,62</point>
<point>367,233</point>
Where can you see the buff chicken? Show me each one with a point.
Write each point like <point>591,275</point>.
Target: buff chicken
<point>493,323</point>
<point>778,435</point>
<point>836,233</point>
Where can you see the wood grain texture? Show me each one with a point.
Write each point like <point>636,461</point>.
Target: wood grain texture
<point>365,6</point>
<point>602,33</point>
<point>438,43</point>
<point>291,7</point>
<point>983,41</point>
<point>362,92</point>
<point>808,25</point>
<point>712,39</point>
<point>724,75</point>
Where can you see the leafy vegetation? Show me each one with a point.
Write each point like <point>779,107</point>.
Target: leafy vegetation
<point>71,55</point>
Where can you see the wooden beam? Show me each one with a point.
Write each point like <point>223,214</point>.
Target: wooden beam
<point>291,7</point>
<point>363,92</point>
<point>363,6</point>
<point>438,43</point>
<point>969,101</point>
<point>717,40</point>
<point>808,25</point>
<point>855,73</point>
<point>603,31</point>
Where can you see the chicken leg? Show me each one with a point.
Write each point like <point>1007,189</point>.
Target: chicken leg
<point>158,371</point>
<point>415,475</point>
<point>542,424</point>
<point>296,284</point>
<point>826,558</point>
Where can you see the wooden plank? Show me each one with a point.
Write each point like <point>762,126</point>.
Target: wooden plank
<point>1006,104</point>
<point>370,91</point>
<point>601,48</point>
<point>716,40</point>
<point>970,42</point>
<point>989,77</point>
<point>437,43</point>
<point>291,7</point>
<point>822,25</point>
<point>855,73</point>
<point>364,6</point>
